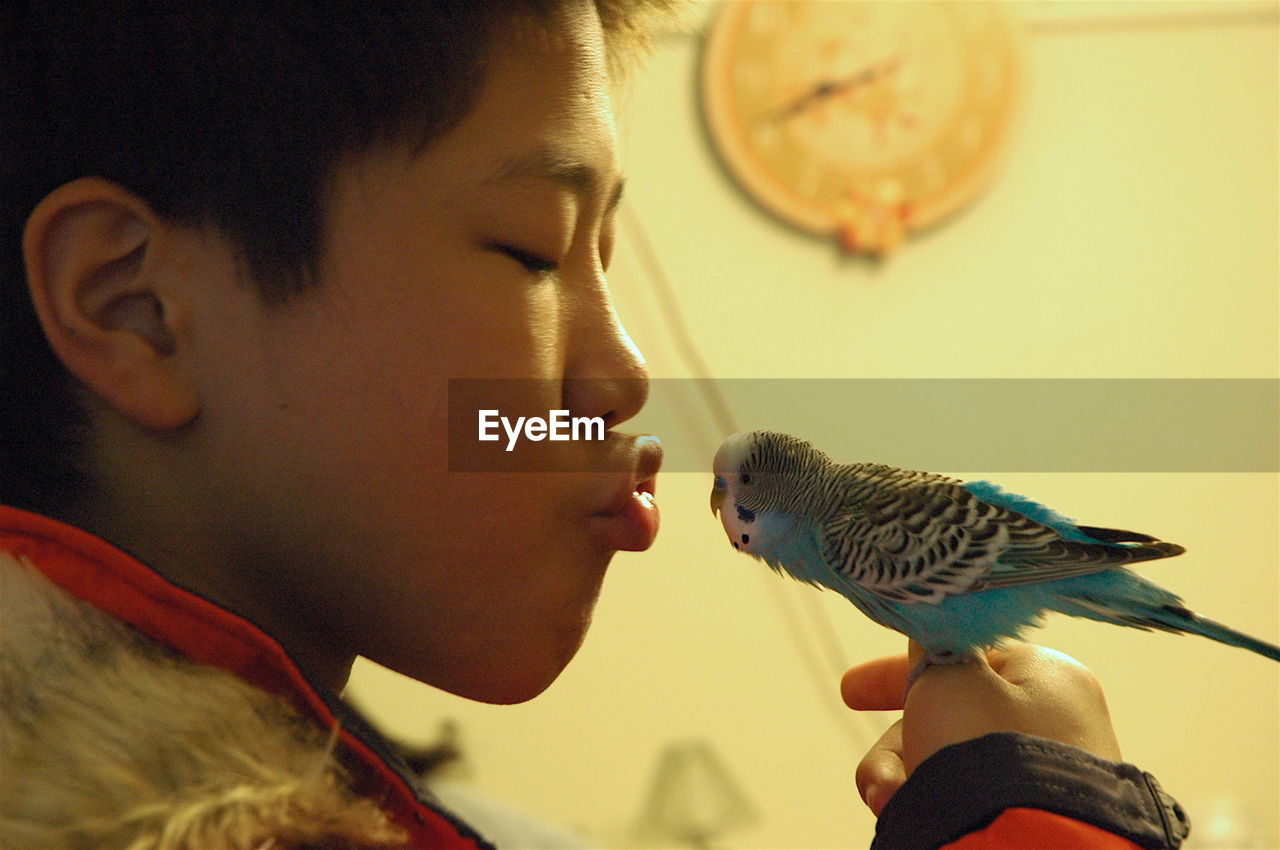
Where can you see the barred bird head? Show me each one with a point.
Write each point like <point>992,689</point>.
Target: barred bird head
<point>761,472</point>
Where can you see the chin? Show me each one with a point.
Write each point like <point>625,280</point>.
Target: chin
<point>515,675</point>
<point>510,692</point>
<point>517,683</point>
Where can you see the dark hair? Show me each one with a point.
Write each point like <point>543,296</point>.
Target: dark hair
<point>230,113</point>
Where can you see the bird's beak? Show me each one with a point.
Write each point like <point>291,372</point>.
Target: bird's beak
<point>717,494</point>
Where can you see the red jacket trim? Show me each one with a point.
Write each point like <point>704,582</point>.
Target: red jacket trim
<point>1018,829</point>
<point>115,582</point>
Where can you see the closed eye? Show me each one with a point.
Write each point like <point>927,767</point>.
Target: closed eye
<point>533,263</point>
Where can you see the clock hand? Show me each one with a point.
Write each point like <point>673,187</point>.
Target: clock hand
<point>824,89</point>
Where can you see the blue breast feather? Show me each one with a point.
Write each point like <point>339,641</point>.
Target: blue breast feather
<point>965,621</point>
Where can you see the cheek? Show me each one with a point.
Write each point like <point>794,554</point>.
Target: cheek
<point>501,546</point>
<point>441,304</point>
<point>368,384</point>
<point>500,604</point>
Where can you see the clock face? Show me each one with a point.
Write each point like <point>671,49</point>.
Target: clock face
<point>864,118</point>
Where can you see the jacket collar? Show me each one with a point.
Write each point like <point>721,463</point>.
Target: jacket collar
<point>115,582</point>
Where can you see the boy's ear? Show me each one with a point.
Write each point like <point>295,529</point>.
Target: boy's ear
<point>104,302</point>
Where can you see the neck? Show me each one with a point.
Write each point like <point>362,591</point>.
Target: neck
<point>192,544</point>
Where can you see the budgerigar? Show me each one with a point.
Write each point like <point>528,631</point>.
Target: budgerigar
<point>957,566</point>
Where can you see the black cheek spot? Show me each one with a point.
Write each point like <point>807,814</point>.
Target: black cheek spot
<point>746,538</point>
<point>746,515</point>
<point>735,543</point>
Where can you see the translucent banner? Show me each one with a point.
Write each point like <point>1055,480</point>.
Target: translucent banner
<point>952,425</point>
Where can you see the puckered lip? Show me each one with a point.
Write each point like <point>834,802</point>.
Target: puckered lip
<point>628,519</point>
<point>642,457</point>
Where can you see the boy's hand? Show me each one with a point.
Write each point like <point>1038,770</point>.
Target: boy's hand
<point>1023,688</point>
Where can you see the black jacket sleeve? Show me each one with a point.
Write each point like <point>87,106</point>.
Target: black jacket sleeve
<point>964,787</point>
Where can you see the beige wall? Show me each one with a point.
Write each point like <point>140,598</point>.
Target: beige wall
<point>1132,233</point>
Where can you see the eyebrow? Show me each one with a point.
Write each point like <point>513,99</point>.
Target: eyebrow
<point>546,163</point>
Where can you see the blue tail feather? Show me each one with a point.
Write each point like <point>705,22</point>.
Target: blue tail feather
<point>1127,599</point>
<point>1192,623</point>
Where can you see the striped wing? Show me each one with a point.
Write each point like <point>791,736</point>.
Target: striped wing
<point>915,537</point>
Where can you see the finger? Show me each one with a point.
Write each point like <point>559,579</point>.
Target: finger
<point>876,685</point>
<point>881,772</point>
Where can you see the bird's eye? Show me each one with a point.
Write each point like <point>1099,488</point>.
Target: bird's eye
<point>746,478</point>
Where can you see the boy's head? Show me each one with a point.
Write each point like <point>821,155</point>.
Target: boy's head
<point>224,113</point>
<point>246,245</point>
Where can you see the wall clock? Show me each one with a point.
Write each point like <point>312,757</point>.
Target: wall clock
<point>863,120</point>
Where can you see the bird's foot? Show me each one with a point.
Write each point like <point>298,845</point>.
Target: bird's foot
<point>941,659</point>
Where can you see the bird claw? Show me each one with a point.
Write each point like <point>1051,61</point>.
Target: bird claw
<point>941,659</point>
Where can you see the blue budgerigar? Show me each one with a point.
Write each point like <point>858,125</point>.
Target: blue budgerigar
<point>957,566</point>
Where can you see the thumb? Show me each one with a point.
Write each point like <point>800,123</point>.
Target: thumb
<point>881,771</point>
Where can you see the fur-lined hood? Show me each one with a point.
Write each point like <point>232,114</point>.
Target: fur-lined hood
<point>109,740</point>
<point>135,715</point>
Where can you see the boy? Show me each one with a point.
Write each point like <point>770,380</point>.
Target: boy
<point>246,247</point>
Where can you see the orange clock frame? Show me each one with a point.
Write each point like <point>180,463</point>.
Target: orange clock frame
<point>862,119</point>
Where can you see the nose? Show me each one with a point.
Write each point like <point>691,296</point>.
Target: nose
<point>605,373</point>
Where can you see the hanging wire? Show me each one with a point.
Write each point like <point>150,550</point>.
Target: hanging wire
<point>669,305</point>
<point>807,621</point>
